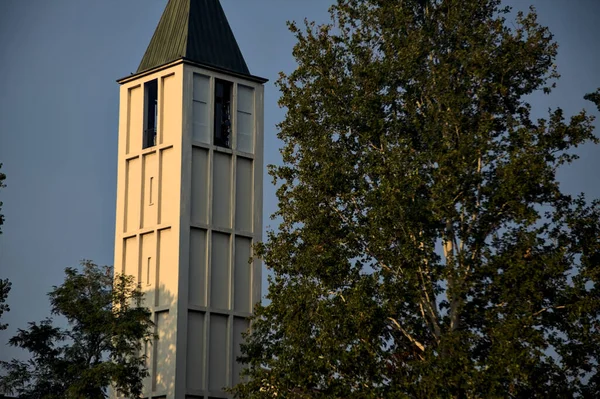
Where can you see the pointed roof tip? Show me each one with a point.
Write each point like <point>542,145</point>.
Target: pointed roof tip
<point>197,31</point>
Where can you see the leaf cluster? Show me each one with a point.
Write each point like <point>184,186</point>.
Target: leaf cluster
<point>2,185</point>
<point>5,286</point>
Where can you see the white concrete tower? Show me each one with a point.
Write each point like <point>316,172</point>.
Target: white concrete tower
<point>189,197</point>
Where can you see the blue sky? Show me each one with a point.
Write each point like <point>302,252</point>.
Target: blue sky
<point>59,115</point>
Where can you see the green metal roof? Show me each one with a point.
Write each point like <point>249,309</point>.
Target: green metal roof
<point>198,31</point>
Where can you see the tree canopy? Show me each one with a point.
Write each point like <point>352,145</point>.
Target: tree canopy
<point>100,347</point>
<point>425,248</point>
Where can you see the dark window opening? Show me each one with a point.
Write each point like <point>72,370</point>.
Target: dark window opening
<point>222,113</point>
<point>150,113</point>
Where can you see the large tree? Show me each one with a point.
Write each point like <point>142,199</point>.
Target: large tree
<point>100,347</point>
<point>425,248</point>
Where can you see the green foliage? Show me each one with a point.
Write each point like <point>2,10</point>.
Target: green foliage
<point>101,347</point>
<point>4,290</point>
<point>2,185</point>
<point>425,248</point>
<point>4,284</point>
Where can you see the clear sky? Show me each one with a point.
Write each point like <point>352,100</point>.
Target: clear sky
<point>59,115</point>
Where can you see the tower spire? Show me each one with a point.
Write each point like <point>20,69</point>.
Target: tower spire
<point>198,31</point>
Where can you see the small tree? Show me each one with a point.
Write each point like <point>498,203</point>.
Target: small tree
<point>425,248</point>
<point>101,346</point>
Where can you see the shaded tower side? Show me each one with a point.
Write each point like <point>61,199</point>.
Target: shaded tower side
<point>221,220</point>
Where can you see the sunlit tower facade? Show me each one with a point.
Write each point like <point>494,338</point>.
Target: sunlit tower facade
<point>189,197</point>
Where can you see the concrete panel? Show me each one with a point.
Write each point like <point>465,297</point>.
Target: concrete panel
<point>148,261</point>
<point>199,185</point>
<point>195,351</point>
<point>133,195</point>
<point>200,109</point>
<point>150,196</point>
<point>198,260</point>
<point>245,130</point>
<point>147,348</point>
<point>245,99</point>
<point>244,195</point>
<point>200,115</point>
<point>240,325</point>
<point>131,255</point>
<point>169,195</point>
<point>219,279</point>
<point>164,353</point>
<point>217,358</point>
<point>135,120</point>
<point>221,190</point>
<point>147,270</point>
<point>201,88</point>
<point>167,270</point>
<point>171,111</point>
<point>242,275</point>
<point>245,119</point>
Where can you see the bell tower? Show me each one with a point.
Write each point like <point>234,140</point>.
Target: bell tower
<point>189,197</point>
